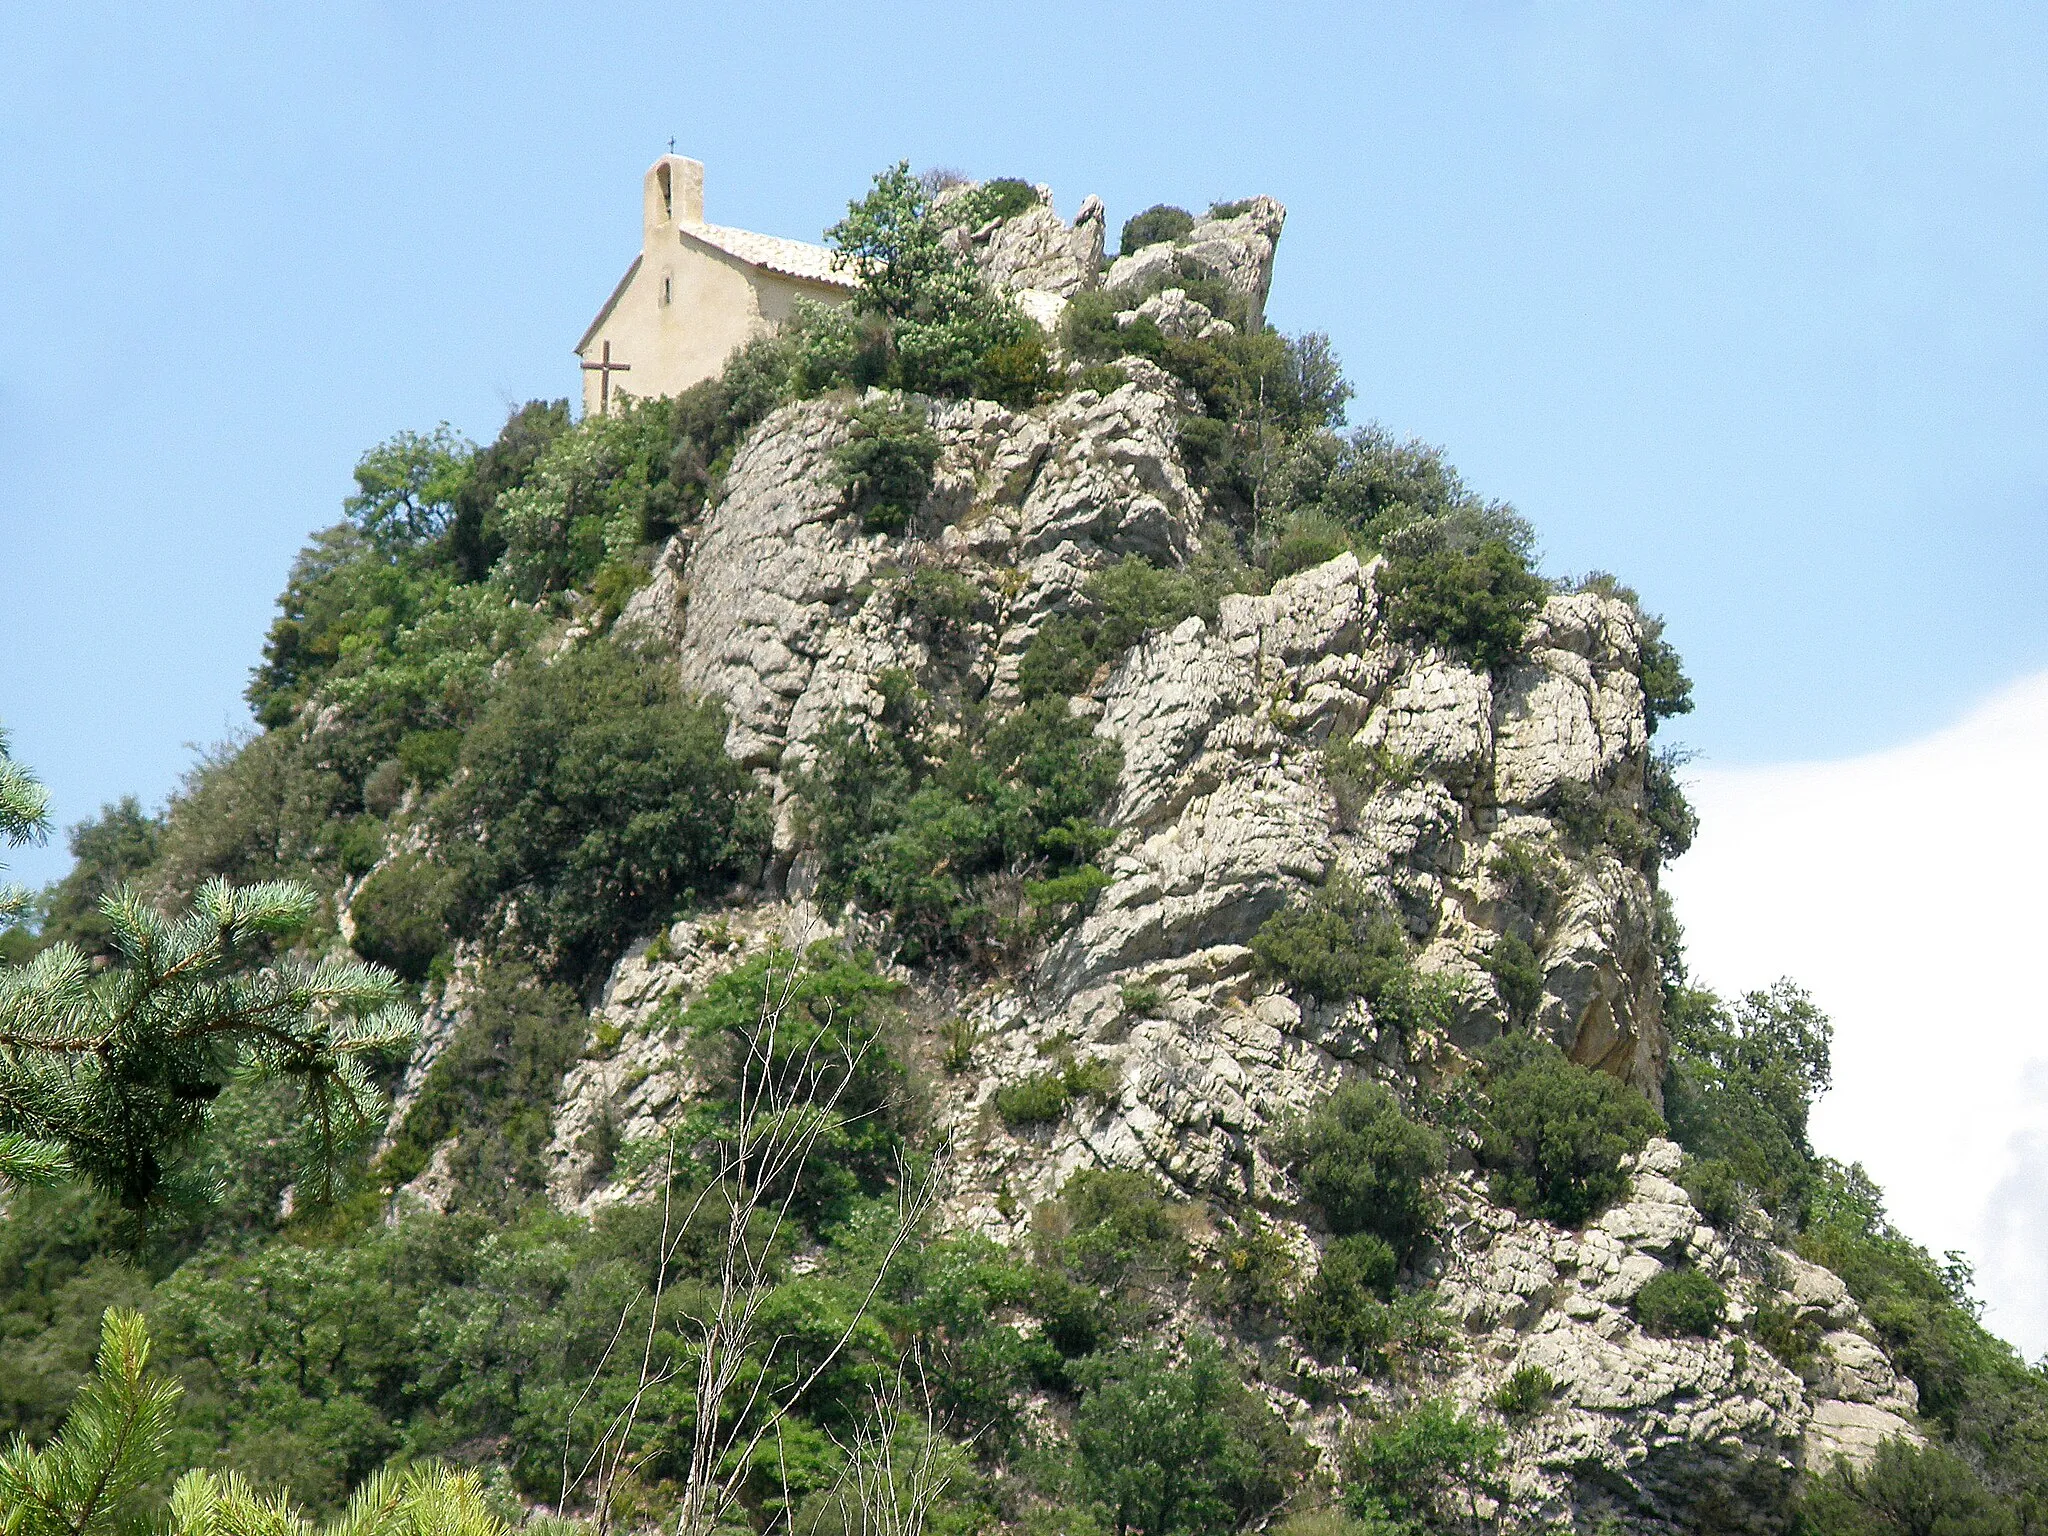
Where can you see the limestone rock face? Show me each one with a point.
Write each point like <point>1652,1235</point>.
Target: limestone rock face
<point>1639,1421</point>
<point>1291,740</point>
<point>1238,250</point>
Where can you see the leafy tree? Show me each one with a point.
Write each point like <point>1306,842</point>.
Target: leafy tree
<point>475,536</point>
<point>1364,1166</point>
<point>112,1073</point>
<point>1907,1490</point>
<point>1553,1133</point>
<point>937,323</point>
<point>609,800</point>
<point>407,487</point>
<point>1398,1472</point>
<point>1164,1448</point>
<point>1740,1085</point>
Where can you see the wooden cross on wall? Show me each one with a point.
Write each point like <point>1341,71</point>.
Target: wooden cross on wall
<point>604,371</point>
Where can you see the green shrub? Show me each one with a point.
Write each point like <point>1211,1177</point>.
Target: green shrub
<point>945,830</point>
<point>429,757</point>
<point>1365,1167</point>
<point>1103,378</point>
<point>1121,605</point>
<point>959,1036</point>
<point>835,1014</point>
<point>1162,221</point>
<point>886,466</point>
<point>1553,1134</point>
<point>1179,1449</point>
<point>1342,1313</point>
<point>494,1087</point>
<point>1716,1191</point>
<point>1476,605</point>
<point>1338,945</point>
<point>1788,1333</point>
<point>1517,976</point>
<point>1356,772</point>
<point>601,800</point>
<point>1044,1096</point>
<point>1140,999</point>
<point>943,601</point>
<point>1253,1272</point>
<point>1907,1490</point>
<point>1670,815</point>
<point>1310,537</point>
<point>1002,198</point>
<point>1017,373</point>
<point>1231,210</point>
<point>1682,1301</point>
<point>401,914</point>
<point>1398,1472</point>
<point>1524,1394</point>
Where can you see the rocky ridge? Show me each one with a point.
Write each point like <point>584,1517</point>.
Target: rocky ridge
<point>1226,808</point>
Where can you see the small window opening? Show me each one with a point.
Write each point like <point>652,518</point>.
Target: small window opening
<point>668,196</point>
<point>668,289</point>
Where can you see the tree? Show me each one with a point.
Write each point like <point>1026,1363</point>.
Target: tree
<point>93,1478</point>
<point>24,818</point>
<point>112,1073</point>
<point>407,487</point>
<point>1165,1448</point>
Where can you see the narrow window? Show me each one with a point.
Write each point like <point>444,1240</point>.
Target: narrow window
<point>668,196</point>
<point>668,289</point>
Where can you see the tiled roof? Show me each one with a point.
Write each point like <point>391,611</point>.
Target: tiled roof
<point>793,258</point>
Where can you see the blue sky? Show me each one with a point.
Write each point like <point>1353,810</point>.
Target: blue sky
<point>1748,307</point>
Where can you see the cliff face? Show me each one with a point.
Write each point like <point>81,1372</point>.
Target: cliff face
<point>1229,806</point>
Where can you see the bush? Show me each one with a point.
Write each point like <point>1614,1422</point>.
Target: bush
<point>886,466</point>
<point>1908,1490</point>
<point>1179,1449</point>
<point>1682,1301</point>
<point>1553,1133</point>
<point>400,914</point>
<point>1342,1313</point>
<point>1788,1333</point>
<point>1253,1275</point>
<point>494,1087</point>
<point>948,831</point>
<point>1044,1096</point>
<point>1476,605</point>
<point>1524,1394</point>
<point>1517,976</point>
<point>1398,1471</point>
<point>1122,604</point>
<point>831,1036</point>
<point>1230,209</point>
<point>1365,1167</point>
<point>1160,222</point>
<point>601,800</point>
<point>1338,945</point>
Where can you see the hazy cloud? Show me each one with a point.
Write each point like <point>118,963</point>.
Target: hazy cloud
<point>1908,891</point>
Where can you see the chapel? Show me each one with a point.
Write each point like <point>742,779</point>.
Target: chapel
<point>694,294</point>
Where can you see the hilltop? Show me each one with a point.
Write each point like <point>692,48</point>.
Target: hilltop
<point>1070,918</point>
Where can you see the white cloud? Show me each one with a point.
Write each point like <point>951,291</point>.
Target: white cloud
<point>1908,891</point>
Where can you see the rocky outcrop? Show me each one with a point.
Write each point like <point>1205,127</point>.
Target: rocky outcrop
<point>1237,250</point>
<point>1290,741</point>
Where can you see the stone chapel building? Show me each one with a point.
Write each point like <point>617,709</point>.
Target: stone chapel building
<point>694,293</point>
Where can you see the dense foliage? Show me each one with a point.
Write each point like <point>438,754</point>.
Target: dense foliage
<point>972,840</point>
<point>1553,1134</point>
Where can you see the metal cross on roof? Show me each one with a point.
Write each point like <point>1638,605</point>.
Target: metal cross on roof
<point>604,371</point>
